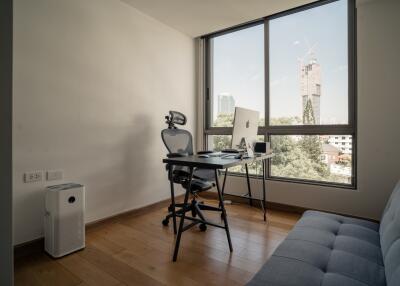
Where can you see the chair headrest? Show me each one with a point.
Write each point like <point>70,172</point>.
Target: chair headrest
<point>175,117</point>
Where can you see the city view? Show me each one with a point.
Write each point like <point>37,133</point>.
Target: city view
<point>306,88</point>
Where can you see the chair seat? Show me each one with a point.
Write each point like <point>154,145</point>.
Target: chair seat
<point>204,174</point>
<point>200,185</point>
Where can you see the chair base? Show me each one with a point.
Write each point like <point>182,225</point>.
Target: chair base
<point>195,207</point>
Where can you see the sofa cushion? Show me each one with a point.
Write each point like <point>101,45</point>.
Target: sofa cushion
<point>389,237</point>
<point>324,250</point>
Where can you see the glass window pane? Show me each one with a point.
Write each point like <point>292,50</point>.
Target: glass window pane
<point>237,74</point>
<point>219,142</point>
<point>308,55</point>
<point>325,158</point>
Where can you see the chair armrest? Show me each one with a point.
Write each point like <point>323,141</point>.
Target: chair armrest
<point>176,155</point>
<point>204,152</point>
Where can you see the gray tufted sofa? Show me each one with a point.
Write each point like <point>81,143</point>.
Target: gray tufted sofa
<point>333,250</point>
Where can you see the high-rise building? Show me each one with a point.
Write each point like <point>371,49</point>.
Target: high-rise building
<point>343,142</point>
<point>226,103</point>
<point>310,91</point>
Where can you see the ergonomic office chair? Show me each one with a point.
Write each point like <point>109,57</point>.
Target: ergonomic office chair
<point>179,143</point>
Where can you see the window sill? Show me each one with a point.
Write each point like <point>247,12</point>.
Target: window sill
<point>295,181</point>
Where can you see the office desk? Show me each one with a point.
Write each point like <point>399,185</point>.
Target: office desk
<point>216,163</point>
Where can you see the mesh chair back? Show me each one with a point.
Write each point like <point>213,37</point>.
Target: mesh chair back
<point>178,141</point>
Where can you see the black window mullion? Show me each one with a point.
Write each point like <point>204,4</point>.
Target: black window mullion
<point>311,129</point>
<point>266,71</point>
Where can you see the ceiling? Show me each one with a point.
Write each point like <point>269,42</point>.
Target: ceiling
<point>198,17</point>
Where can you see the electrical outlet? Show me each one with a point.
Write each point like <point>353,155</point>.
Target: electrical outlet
<point>34,176</point>
<point>54,175</point>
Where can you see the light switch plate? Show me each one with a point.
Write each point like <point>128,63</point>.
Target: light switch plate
<point>54,175</point>
<point>33,176</point>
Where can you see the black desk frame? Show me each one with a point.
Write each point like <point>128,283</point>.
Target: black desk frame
<point>211,163</point>
<point>249,195</point>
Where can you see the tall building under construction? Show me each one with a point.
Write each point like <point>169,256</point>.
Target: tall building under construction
<point>310,90</point>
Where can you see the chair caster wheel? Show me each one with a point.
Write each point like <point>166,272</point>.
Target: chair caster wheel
<point>203,227</point>
<point>165,222</point>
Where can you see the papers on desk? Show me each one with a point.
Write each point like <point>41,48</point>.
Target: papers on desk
<point>216,154</point>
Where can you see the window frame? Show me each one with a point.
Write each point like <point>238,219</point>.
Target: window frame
<point>268,130</point>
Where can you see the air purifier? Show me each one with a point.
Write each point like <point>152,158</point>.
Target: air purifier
<point>64,225</point>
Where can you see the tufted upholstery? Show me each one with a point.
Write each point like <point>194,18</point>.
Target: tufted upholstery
<point>389,231</point>
<point>328,250</point>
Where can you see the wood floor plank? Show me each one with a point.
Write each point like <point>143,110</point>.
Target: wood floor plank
<point>137,250</point>
<point>216,239</point>
<point>143,244</point>
<point>46,271</point>
<point>116,268</point>
<point>162,269</point>
<point>87,272</point>
<point>24,275</point>
<point>103,244</point>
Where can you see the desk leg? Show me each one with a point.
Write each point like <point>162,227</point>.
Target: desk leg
<point>248,184</point>
<point>171,183</point>
<point>173,205</point>
<point>223,184</point>
<point>180,230</point>
<point>221,202</point>
<point>264,162</point>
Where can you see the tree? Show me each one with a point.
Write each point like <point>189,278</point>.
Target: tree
<point>308,114</point>
<point>295,157</point>
<point>224,120</point>
<point>298,158</point>
<point>312,146</point>
<point>221,142</point>
<point>286,121</point>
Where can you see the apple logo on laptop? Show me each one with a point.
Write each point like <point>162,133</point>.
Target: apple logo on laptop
<point>247,123</point>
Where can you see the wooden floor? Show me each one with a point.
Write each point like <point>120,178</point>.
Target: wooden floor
<point>137,250</point>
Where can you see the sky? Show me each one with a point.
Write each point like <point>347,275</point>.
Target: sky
<point>239,62</point>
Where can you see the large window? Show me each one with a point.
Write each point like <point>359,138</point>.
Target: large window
<point>297,69</point>
<point>237,77</point>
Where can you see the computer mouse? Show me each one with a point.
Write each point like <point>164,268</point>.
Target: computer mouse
<point>204,156</point>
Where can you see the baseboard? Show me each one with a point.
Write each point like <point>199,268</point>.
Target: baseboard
<point>270,205</point>
<point>134,212</point>
<point>37,245</point>
<point>28,248</point>
<point>279,206</point>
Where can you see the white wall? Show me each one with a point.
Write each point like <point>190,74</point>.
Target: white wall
<point>196,18</point>
<point>378,42</point>
<point>93,80</point>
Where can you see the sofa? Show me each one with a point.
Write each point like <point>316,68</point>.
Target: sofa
<point>326,249</point>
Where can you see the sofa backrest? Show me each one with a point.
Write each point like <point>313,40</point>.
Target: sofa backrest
<point>389,231</point>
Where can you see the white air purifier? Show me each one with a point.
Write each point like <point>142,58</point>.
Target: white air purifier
<point>64,223</point>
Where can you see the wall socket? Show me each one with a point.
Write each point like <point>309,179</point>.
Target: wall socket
<point>54,175</point>
<point>33,176</point>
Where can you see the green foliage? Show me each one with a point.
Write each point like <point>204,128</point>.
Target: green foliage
<point>221,142</point>
<point>308,115</point>
<point>312,146</point>
<point>298,158</point>
<point>286,121</point>
<point>295,157</point>
<point>224,120</point>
